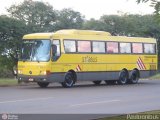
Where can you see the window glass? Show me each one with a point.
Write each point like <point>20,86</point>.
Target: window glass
<point>137,48</point>
<point>84,46</point>
<point>98,47</point>
<point>125,47</point>
<point>36,50</point>
<point>69,46</point>
<point>149,48</point>
<point>112,47</point>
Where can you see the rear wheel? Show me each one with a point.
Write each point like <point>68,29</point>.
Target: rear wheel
<point>123,77</point>
<point>69,80</point>
<point>134,77</point>
<point>43,84</point>
<point>98,82</point>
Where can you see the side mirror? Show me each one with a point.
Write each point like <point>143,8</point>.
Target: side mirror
<point>54,52</point>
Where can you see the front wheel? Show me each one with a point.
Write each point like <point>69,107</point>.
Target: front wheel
<point>69,80</point>
<point>123,77</point>
<point>43,84</point>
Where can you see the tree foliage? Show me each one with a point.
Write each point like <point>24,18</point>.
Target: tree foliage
<point>37,15</point>
<point>68,18</point>
<point>94,25</point>
<point>11,32</point>
<point>128,25</point>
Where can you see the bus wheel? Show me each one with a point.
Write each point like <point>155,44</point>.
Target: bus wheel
<point>110,82</point>
<point>97,82</point>
<point>134,77</point>
<point>69,80</point>
<point>123,77</point>
<point>43,84</point>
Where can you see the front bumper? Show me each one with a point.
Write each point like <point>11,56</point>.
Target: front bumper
<point>56,77</point>
<point>38,78</point>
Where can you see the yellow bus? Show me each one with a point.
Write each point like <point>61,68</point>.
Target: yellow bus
<point>67,56</point>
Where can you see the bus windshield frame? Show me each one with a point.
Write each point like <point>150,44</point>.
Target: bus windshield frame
<point>36,50</point>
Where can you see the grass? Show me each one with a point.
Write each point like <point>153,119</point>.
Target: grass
<point>8,82</point>
<point>157,76</point>
<point>155,113</point>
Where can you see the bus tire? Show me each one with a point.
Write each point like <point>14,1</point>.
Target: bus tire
<point>97,82</point>
<point>134,77</point>
<point>123,77</point>
<point>43,84</point>
<point>69,80</point>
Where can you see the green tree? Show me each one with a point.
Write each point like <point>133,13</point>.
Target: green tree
<point>94,25</point>
<point>139,25</point>
<point>38,16</point>
<point>114,24</point>
<point>68,18</point>
<point>126,25</point>
<point>11,32</point>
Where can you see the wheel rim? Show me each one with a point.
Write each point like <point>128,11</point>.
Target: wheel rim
<point>69,80</point>
<point>134,77</point>
<point>123,77</point>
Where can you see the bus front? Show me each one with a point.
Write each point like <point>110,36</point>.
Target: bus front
<point>34,61</point>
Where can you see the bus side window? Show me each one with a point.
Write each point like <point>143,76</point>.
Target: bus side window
<point>55,50</point>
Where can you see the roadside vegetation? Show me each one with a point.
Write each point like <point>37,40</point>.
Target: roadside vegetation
<point>157,76</point>
<point>124,117</point>
<point>8,82</point>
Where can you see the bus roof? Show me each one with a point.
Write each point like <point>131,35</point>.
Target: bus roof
<point>37,36</point>
<point>86,35</point>
<point>65,32</point>
<point>82,32</point>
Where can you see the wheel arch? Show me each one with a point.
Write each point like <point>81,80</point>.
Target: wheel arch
<point>74,74</point>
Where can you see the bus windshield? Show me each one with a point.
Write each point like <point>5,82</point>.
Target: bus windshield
<point>36,50</point>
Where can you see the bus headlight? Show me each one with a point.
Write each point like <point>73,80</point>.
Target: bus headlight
<point>47,72</point>
<point>19,72</point>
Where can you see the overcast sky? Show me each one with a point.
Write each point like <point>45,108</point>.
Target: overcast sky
<point>91,8</point>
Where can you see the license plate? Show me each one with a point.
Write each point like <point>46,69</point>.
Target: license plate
<point>31,79</point>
